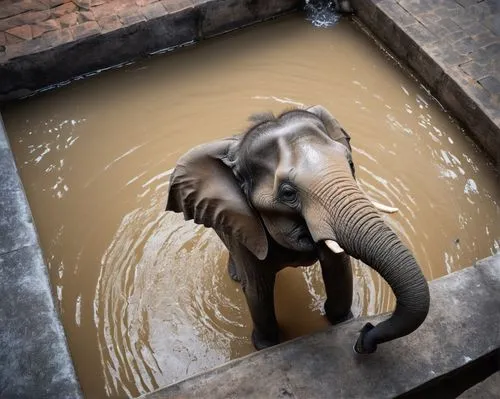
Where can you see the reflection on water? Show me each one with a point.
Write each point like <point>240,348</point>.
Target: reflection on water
<point>145,297</point>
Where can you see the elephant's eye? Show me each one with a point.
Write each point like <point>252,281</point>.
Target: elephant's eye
<point>288,193</point>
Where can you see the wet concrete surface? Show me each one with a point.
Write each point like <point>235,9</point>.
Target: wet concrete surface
<point>463,304</point>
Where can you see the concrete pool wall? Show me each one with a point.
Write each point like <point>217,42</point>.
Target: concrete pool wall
<point>34,357</point>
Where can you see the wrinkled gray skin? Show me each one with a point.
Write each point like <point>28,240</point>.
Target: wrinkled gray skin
<point>274,195</point>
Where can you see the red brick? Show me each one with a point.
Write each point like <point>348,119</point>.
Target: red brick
<point>173,6</point>
<point>109,23</point>
<point>34,5</point>
<point>55,3</point>
<point>86,29</point>
<point>27,18</point>
<point>142,3</point>
<point>65,8</point>
<point>3,40</point>
<point>85,4</point>
<point>58,37</point>
<point>10,39</point>
<point>131,16</point>
<point>68,19</point>
<point>22,32</point>
<point>86,16</point>
<point>26,47</point>
<point>112,7</point>
<point>154,10</point>
<point>10,8</point>
<point>35,16</point>
<point>46,26</point>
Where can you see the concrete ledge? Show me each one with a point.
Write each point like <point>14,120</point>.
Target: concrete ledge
<point>52,59</point>
<point>462,326</point>
<point>34,357</point>
<point>454,48</point>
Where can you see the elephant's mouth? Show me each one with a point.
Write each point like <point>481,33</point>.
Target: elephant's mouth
<point>303,237</point>
<point>306,240</point>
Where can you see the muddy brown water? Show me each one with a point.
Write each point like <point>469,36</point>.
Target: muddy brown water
<point>144,296</point>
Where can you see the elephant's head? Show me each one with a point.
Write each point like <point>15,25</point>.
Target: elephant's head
<point>291,179</point>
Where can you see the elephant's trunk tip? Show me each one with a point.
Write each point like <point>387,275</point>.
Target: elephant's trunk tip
<point>362,345</point>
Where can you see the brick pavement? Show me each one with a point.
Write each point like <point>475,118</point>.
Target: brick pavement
<point>28,26</point>
<point>464,34</point>
<point>454,48</point>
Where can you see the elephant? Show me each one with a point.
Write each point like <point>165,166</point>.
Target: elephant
<point>284,193</point>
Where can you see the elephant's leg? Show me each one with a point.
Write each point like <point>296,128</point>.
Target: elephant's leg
<point>257,282</point>
<point>337,276</point>
<point>258,286</point>
<point>231,269</point>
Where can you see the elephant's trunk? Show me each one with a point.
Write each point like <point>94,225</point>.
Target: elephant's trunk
<point>350,219</point>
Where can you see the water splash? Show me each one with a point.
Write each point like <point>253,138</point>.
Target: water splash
<point>321,14</point>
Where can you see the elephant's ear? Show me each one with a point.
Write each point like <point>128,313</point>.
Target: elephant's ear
<point>203,187</point>
<point>332,126</point>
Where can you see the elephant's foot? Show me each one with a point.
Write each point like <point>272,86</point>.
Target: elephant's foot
<point>261,342</point>
<point>335,316</point>
<point>231,269</point>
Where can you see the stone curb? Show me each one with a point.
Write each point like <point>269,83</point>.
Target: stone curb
<point>34,356</point>
<point>38,63</point>
<point>323,365</point>
<point>408,32</point>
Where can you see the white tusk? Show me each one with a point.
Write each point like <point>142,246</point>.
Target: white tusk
<point>384,208</point>
<point>334,246</point>
<point>381,207</point>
